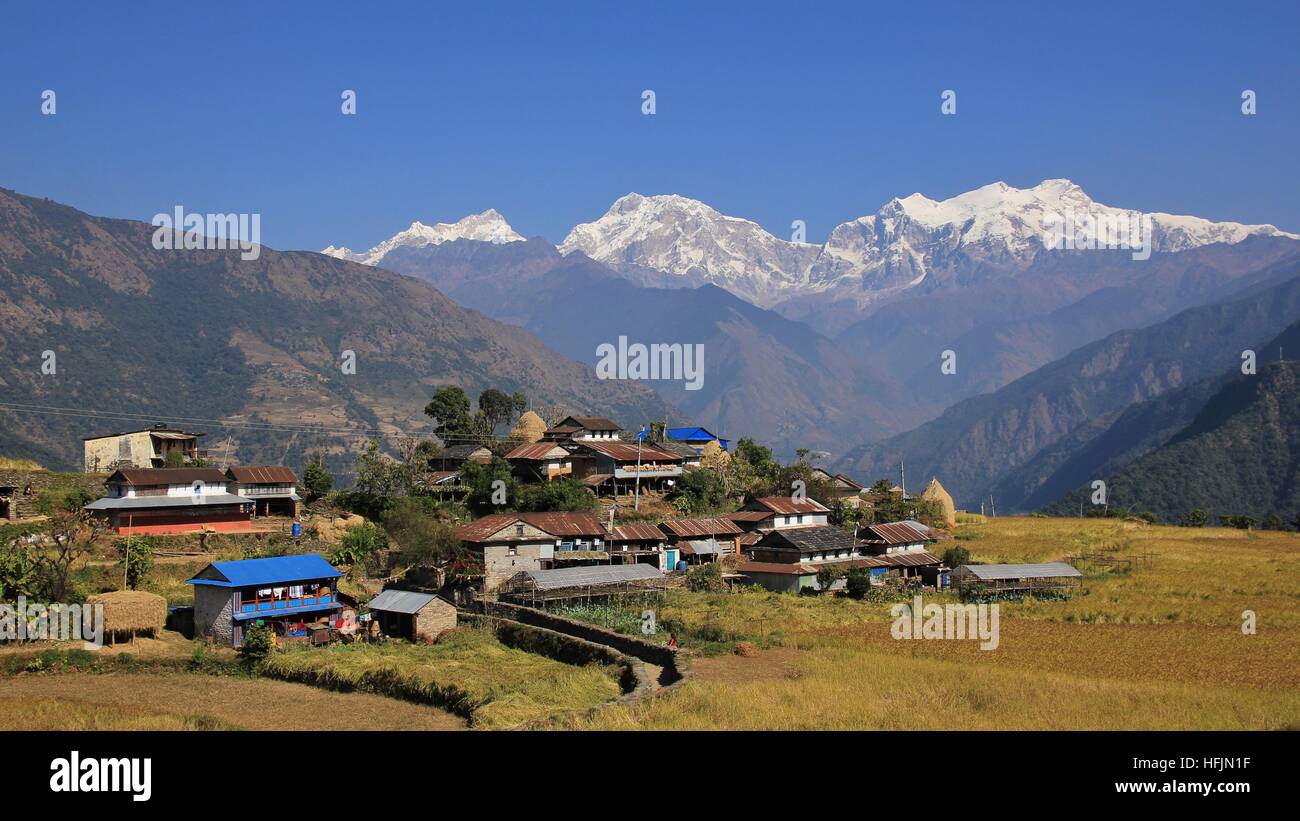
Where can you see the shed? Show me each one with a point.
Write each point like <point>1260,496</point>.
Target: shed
<point>408,614</point>
<point>584,582</point>
<point>1001,578</point>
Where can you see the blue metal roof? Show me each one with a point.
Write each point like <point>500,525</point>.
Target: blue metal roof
<point>274,570</point>
<point>690,435</point>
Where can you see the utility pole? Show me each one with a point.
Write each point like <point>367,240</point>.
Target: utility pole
<point>902,475</point>
<point>636,487</point>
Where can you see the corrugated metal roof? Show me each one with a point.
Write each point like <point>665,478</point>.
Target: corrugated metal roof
<point>538,450</point>
<point>699,548</point>
<point>700,527</point>
<point>749,515</point>
<point>263,474</point>
<point>554,524</point>
<point>638,532</point>
<point>401,601</point>
<point>273,570</point>
<point>591,576</point>
<point>917,558</point>
<point>624,452</point>
<point>1047,570</point>
<point>898,533</point>
<point>786,505</point>
<point>141,502</point>
<point>167,476</point>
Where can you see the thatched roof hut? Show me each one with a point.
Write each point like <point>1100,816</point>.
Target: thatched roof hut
<point>132,612</point>
<point>935,492</point>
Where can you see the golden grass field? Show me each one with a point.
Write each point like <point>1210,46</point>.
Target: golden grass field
<point>1159,647</point>
<point>469,672</point>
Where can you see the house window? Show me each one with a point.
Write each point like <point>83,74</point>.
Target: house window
<point>799,519</point>
<point>519,530</point>
<point>512,550</point>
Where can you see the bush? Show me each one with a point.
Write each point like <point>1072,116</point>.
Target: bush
<point>359,544</point>
<point>858,582</point>
<point>136,553</point>
<point>955,557</point>
<point>706,578</point>
<point>259,641</point>
<point>1196,517</point>
<point>316,480</point>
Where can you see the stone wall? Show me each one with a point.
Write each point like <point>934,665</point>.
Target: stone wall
<point>437,616</point>
<point>656,654</point>
<point>21,505</point>
<point>213,613</point>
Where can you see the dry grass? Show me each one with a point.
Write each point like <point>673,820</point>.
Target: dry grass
<point>132,611</point>
<point>470,673</point>
<point>182,701</point>
<point>9,463</point>
<point>1160,646</point>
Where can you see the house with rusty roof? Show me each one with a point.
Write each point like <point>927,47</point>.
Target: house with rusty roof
<point>700,541</point>
<point>541,461</point>
<point>509,543</point>
<point>273,489</point>
<point>583,429</point>
<point>788,560</point>
<point>897,537</point>
<point>171,500</point>
<point>617,468</point>
<point>639,543</point>
<point>839,489</point>
<point>776,512</point>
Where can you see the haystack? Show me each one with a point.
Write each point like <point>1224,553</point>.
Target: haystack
<point>935,492</point>
<point>529,428</point>
<point>132,612</point>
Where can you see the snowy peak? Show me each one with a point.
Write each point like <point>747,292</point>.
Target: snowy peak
<point>488,226</point>
<point>693,243</point>
<point>996,227</point>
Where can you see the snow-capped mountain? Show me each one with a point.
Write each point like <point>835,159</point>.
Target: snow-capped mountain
<point>488,226</point>
<point>647,237</point>
<point>909,240</point>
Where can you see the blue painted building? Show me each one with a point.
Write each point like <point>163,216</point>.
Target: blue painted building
<point>288,593</point>
<point>696,437</point>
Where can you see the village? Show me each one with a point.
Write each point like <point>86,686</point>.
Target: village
<point>570,542</point>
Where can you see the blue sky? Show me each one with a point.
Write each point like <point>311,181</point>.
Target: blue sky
<point>774,112</point>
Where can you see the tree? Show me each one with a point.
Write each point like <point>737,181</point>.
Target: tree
<point>701,488</point>
<point>451,409</point>
<point>74,534</point>
<point>1196,517</point>
<point>135,558</point>
<point>955,557</point>
<point>826,576</point>
<point>485,495</point>
<point>561,494</point>
<point>316,479</point>
<point>498,408</point>
<point>1273,522</point>
<point>421,539</point>
<point>174,458</point>
<point>759,459</point>
<point>857,582</point>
